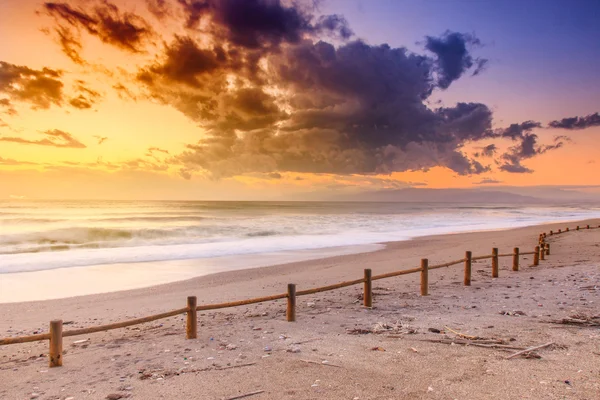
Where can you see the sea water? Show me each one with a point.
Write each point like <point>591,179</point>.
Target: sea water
<point>50,235</point>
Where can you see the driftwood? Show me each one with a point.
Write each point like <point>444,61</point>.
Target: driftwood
<point>529,350</point>
<point>242,396</point>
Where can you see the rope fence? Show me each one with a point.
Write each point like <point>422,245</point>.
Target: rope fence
<point>55,334</point>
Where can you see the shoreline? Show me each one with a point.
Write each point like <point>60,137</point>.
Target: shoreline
<point>230,278</point>
<point>71,282</point>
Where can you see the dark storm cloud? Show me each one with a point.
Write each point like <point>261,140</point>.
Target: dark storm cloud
<point>453,56</point>
<point>41,88</point>
<point>254,24</point>
<point>356,108</point>
<point>121,29</point>
<point>575,123</point>
<point>54,138</point>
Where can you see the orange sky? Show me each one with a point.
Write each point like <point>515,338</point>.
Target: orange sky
<point>123,166</point>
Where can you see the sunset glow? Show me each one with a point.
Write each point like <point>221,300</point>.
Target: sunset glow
<point>193,100</point>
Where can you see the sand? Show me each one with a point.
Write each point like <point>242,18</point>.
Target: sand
<point>155,361</point>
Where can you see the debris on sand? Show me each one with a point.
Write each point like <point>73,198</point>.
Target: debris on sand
<point>578,320</point>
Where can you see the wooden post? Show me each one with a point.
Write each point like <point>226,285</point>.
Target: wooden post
<point>56,343</point>
<point>577,227</point>
<point>567,230</point>
<point>588,227</point>
<point>543,252</point>
<point>191,329</point>
<point>368,291</point>
<point>291,302</point>
<point>424,277</point>
<point>468,264</point>
<point>495,262</point>
<point>536,256</point>
<point>547,249</point>
<point>559,231</point>
<point>516,259</point>
<point>551,233</point>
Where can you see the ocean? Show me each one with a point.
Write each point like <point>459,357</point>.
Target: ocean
<point>50,235</point>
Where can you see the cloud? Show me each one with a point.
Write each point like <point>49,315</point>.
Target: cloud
<point>576,123</point>
<point>159,8</point>
<point>254,24</point>
<point>487,181</point>
<point>70,44</point>
<point>453,56</point>
<point>272,95</point>
<point>527,146</point>
<point>86,97</point>
<point>124,30</point>
<point>101,139</point>
<point>487,151</point>
<point>54,138</point>
<point>41,88</point>
<point>10,161</point>
<point>124,93</point>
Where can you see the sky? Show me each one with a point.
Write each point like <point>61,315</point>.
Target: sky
<point>269,99</point>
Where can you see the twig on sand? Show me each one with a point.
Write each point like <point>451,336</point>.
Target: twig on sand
<point>236,366</point>
<point>245,395</point>
<point>529,349</point>
<point>485,343</point>
<point>578,320</point>
<point>461,334</point>
<point>320,363</point>
<point>308,341</point>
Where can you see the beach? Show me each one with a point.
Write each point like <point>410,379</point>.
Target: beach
<point>315,357</point>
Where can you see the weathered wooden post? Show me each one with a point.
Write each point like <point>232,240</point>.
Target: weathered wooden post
<point>551,233</point>
<point>536,255</point>
<point>577,227</point>
<point>559,231</point>
<point>543,252</point>
<point>368,289</point>
<point>56,343</point>
<point>495,262</point>
<point>567,230</point>
<point>191,329</point>
<point>516,259</point>
<point>468,264</point>
<point>547,249</point>
<point>588,227</point>
<point>291,302</point>
<point>424,277</point>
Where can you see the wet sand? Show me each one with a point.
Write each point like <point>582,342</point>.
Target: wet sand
<point>155,361</point>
